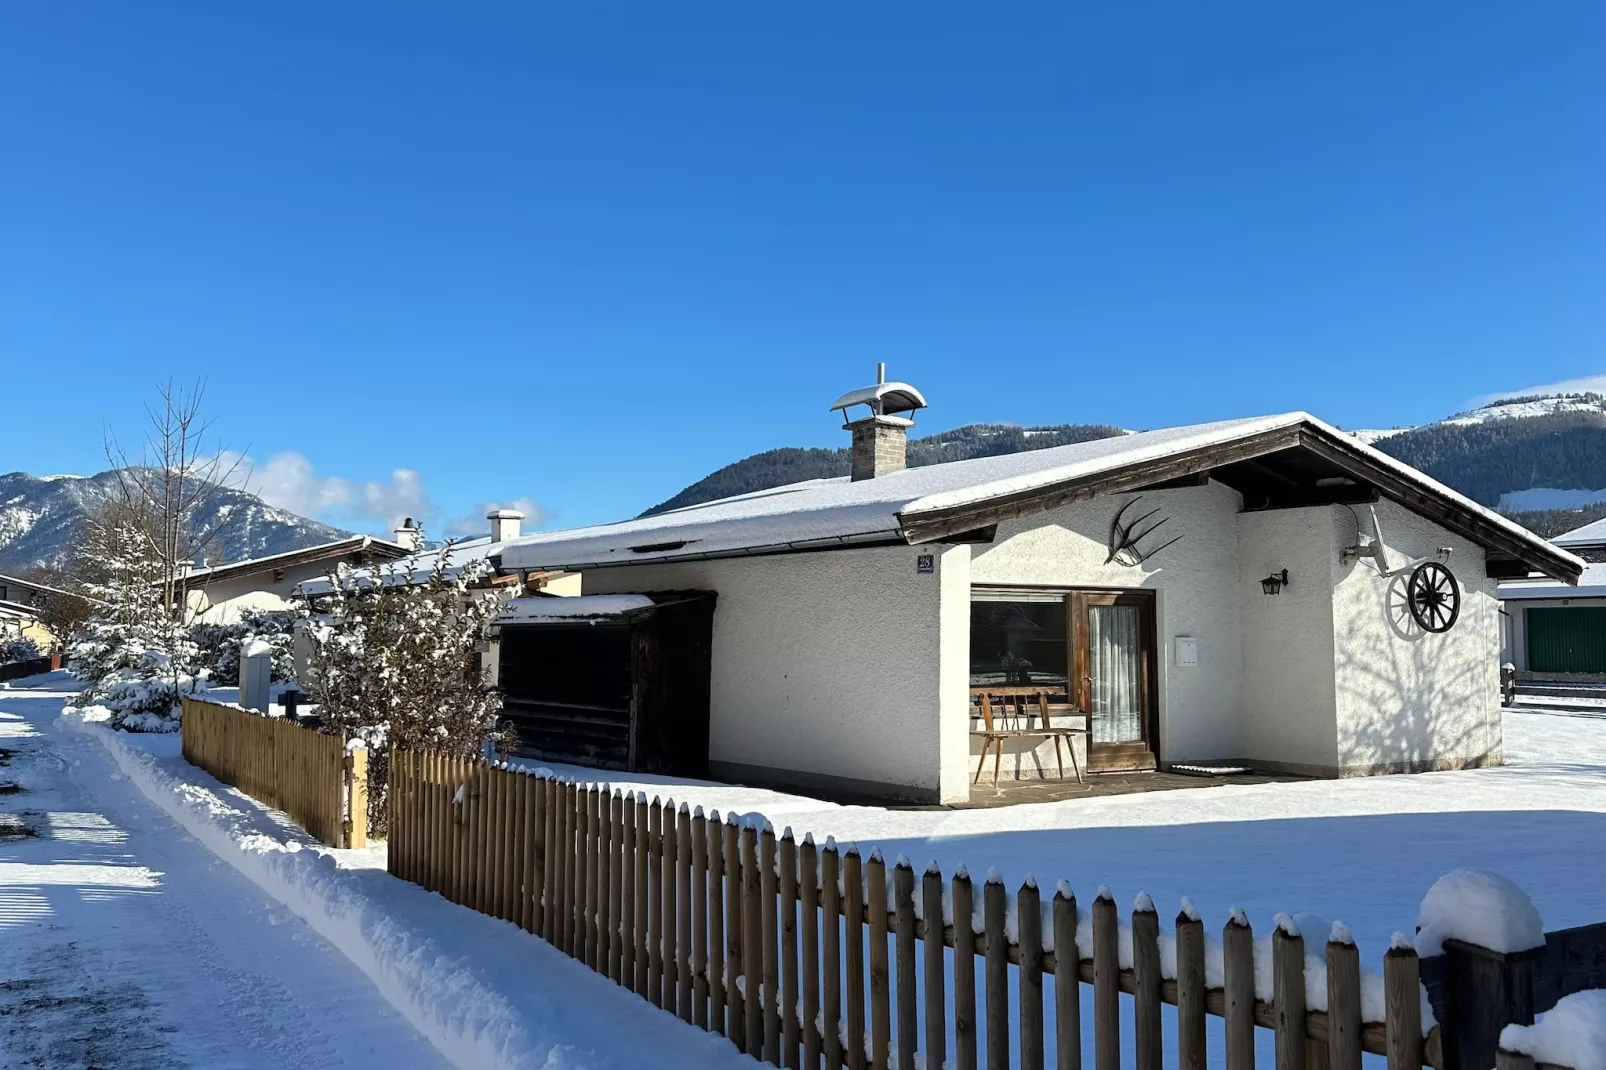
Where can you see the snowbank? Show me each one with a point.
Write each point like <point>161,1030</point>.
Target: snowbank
<point>1572,1033</point>
<point>1480,908</point>
<point>487,995</point>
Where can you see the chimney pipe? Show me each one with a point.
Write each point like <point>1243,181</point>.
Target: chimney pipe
<point>504,524</point>
<point>409,534</point>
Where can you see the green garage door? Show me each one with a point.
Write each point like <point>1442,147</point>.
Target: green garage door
<point>1567,640</point>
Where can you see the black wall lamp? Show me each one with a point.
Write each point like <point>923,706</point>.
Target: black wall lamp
<point>1275,582</point>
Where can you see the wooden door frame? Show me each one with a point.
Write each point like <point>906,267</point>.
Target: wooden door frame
<point>1115,757</point>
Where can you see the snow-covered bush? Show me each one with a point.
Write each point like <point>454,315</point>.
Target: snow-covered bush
<point>395,659</point>
<point>19,649</point>
<point>218,646</point>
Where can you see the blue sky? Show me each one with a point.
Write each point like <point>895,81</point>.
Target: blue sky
<point>581,255</point>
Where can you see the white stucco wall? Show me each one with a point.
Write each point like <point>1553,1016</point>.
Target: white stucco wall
<point>1196,581</point>
<point>1408,699</point>
<point>829,668</point>
<point>222,601</point>
<point>1289,714</point>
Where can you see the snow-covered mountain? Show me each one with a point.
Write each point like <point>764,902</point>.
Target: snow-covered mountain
<point>41,516</point>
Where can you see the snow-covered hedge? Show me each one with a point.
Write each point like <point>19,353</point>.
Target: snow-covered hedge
<point>218,646</point>
<point>22,649</point>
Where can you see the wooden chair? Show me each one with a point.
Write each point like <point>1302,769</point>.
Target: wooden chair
<point>994,733</point>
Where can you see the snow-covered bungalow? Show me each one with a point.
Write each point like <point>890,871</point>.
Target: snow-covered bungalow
<point>218,594</point>
<point>1267,592</point>
<point>1556,629</point>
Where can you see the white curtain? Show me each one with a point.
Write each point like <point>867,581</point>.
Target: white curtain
<point>1113,665</point>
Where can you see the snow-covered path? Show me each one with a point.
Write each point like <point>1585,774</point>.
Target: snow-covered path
<point>124,943</point>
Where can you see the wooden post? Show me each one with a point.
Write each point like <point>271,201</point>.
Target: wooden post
<point>655,903</point>
<point>1106,983</point>
<point>1402,981</point>
<point>903,901</point>
<point>752,944</point>
<point>831,956</point>
<point>791,1038</point>
<point>1288,985</point>
<point>628,904</point>
<point>1190,990</point>
<point>550,929</point>
<point>736,1027</point>
<point>1146,974</point>
<point>769,933</point>
<point>593,857</point>
<point>495,840</point>
<point>701,909</point>
<point>565,859</point>
<point>877,903</point>
<point>618,862</point>
<point>1029,921</point>
<point>996,972</point>
<point>1067,980</point>
<point>1511,1060</point>
<point>1238,967</point>
<point>934,969</point>
<point>809,879</point>
<point>643,898</point>
<point>683,913</point>
<point>1483,991</point>
<point>853,954</point>
<point>531,799</point>
<point>1343,1002</point>
<point>716,923</point>
<point>395,863</point>
<point>669,847</point>
<point>964,972</point>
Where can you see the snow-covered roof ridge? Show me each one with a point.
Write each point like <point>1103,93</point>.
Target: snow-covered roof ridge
<point>334,547</point>
<point>898,508</point>
<point>576,608</point>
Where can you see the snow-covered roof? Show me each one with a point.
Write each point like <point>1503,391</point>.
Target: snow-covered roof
<point>578,608</point>
<point>394,572</point>
<point>304,555</point>
<point>1592,584</point>
<point>1592,534</point>
<point>837,512</point>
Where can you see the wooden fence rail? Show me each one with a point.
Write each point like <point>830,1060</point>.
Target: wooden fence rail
<point>312,776</point>
<point>763,939</point>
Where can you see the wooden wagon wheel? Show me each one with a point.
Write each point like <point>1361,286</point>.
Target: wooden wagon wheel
<point>1434,597</point>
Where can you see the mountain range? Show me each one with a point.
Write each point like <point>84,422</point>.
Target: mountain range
<point>1540,459</point>
<point>40,519</point>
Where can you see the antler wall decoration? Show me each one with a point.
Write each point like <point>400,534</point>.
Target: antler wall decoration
<point>1124,537</point>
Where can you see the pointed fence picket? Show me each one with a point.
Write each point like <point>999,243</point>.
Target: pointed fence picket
<point>806,956</point>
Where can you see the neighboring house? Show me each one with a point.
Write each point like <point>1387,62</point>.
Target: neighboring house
<point>218,594</point>
<point>1214,593</point>
<point>20,604</point>
<point>1558,629</point>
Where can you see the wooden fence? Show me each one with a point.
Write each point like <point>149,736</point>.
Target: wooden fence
<point>800,953</point>
<point>314,777</point>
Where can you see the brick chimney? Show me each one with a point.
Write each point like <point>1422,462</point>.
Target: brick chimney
<point>504,524</point>
<point>880,437</point>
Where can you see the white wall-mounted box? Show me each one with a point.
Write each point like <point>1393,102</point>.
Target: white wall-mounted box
<point>1187,650</point>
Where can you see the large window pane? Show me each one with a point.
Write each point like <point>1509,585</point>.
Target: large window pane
<point>1017,644</point>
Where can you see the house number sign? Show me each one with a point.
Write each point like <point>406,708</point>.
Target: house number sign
<point>926,563</point>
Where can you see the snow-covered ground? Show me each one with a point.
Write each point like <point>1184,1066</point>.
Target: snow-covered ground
<point>126,944</point>
<point>214,933</point>
<point>1363,850</point>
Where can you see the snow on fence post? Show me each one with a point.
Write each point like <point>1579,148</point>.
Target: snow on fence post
<point>1238,968</point>
<point>996,971</point>
<point>702,909</point>
<point>791,1038</point>
<point>1146,975</point>
<point>880,970</point>
<point>831,955</point>
<point>1106,983</point>
<point>1343,1001</point>
<point>809,882</point>
<point>853,953</point>
<point>1029,938</point>
<point>964,972</point>
<point>1288,987</point>
<point>903,898</point>
<point>769,967</point>
<point>931,957</point>
<point>1067,980</point>
<point>683,912</point>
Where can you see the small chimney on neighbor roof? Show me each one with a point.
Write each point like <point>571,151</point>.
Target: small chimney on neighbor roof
<point>880,437</point>
<point>409,534</point>
<point>504,524</point>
